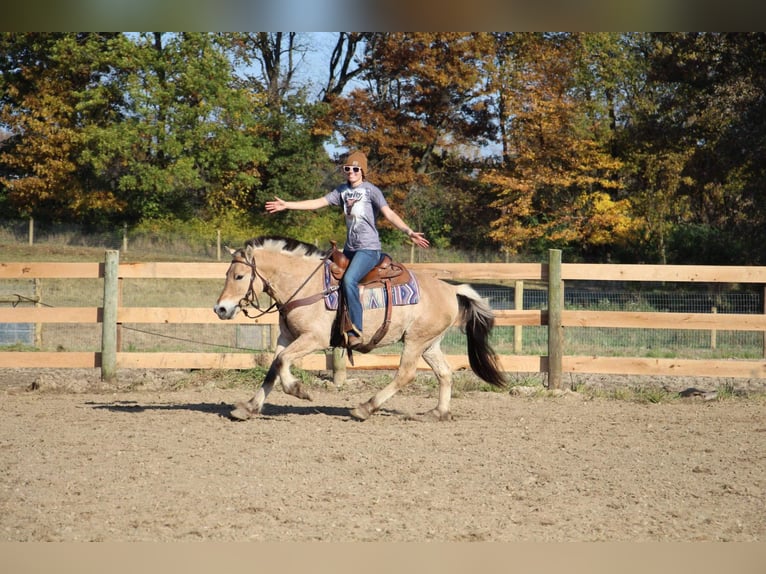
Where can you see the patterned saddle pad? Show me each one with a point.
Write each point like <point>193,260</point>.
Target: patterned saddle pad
<point>375,297</point>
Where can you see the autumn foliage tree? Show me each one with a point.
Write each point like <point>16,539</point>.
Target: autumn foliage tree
<point>558,182</point>
<point>623,146</point>
<point>424,103</point>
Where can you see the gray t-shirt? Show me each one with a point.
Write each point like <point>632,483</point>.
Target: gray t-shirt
<point>361,206</point>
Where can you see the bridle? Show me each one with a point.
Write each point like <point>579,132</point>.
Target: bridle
<point>250,298</point>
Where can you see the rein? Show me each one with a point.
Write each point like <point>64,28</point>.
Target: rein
<point>251,299</point>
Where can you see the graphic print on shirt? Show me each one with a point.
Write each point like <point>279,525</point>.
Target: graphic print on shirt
<point>354,203</point>
<point>361,206</point>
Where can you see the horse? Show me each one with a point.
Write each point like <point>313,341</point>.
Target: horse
<point>288,271</point>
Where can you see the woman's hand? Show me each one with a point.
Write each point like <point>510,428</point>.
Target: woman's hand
<point>419,239</point>
<point>276,205</point>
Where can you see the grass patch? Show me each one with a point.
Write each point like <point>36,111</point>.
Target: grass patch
<point>465,382</point>
<point>249,379</point>
<point>18,347</point>
<point>653,395</point>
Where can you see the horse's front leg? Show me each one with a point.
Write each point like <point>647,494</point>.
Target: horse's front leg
<point>302,346</point>
<point>280,367</point>
<point>243,411</point>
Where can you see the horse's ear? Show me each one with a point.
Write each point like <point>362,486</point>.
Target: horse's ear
<point>249,252</point>
<point>230,250</point>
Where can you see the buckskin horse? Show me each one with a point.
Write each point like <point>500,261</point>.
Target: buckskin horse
<point>291,273</point>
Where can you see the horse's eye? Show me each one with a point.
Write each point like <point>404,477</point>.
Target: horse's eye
<point>239,277</point>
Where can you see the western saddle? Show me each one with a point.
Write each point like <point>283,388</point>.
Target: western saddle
<point>385,274</point>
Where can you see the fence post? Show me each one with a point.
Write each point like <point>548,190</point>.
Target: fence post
<point>555,329</point>
<point>109,316</point>
<point>38,296</point>
<point>518,304</point>
<point>338,366</point>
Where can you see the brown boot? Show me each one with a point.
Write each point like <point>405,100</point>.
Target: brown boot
<point>353,341</point>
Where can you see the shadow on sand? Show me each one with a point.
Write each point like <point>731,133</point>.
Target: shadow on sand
<point>220,409</point>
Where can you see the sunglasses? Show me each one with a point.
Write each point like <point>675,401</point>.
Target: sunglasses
<point>348,168</point>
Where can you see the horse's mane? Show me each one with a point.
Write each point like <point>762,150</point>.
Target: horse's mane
<point>285,245</point>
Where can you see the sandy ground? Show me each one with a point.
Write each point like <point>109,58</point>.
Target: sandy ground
<point>149,461</point>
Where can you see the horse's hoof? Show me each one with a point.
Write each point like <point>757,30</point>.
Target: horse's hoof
<point>360,413</point>
<point>241,412</point>
<point>431,416</point>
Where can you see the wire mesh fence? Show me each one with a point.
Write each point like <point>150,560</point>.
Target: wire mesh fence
<point>609,341</point>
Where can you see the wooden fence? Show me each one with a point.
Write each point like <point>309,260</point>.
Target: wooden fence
<point>555,273</point>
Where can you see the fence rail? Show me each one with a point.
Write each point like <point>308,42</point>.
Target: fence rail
<point>110,314</point>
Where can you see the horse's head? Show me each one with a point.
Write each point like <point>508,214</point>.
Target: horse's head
<point>242,285</point>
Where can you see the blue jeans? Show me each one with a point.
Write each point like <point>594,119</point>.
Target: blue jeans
<point>362,262</point>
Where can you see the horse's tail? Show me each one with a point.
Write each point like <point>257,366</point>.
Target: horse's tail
<point>477,318</point>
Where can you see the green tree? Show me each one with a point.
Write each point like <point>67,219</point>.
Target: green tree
<point>42,84</point>
<point>190,143</point>
<point>129,127</point>
<point>293,130</point>
<point>709,107</point>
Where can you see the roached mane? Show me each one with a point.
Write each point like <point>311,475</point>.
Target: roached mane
<point>285,245</point>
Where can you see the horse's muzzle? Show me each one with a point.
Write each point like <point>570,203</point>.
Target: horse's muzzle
<point>224,312</point>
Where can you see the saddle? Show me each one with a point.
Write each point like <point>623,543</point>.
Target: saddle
<point>385,274</point>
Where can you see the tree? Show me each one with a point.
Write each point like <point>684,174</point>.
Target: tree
<point>424,103</point>
<point>344,66</point>
<point>44,79</point>
<point>190,142</point>
<point>702,118</point>
<point>293,130</point>
<point>637,146</point>
<point>112,126</point>
<point>558,182</point>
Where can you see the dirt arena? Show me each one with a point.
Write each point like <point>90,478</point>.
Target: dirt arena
<point>152,460</point>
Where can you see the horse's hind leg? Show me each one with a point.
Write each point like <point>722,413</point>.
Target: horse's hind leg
<point>404,374</point>
<point>435,359</point>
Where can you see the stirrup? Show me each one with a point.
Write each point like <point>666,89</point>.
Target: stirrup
<point>353,340</point>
